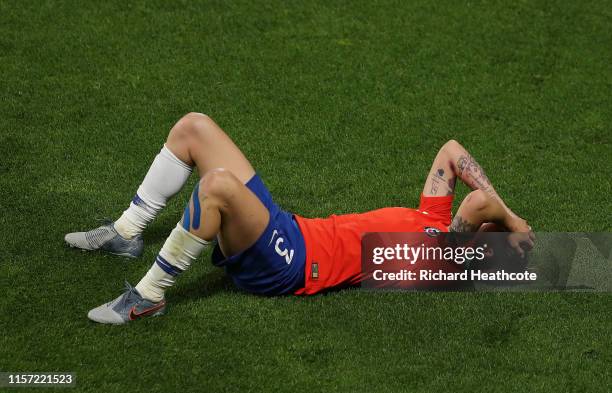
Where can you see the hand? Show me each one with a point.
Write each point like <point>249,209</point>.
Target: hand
<point>516,224</point>
<point>522,237</point>
<point>521,242</point>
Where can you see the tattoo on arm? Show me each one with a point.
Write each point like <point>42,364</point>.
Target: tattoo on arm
<point>473,174</point>
<point>451,185</point>
<point>461,225</point>
<point>434,184</point>
<point>438,178</point>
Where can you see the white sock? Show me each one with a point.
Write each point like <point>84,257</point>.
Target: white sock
<point>179,251</point>
<point>166,176</point>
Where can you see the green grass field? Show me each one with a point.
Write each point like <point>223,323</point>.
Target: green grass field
<point>341,108</point>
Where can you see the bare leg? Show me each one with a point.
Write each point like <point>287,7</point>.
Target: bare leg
<point>228,208</point>
<point>197,140</point>
<point>194,140</point>
<point>221,203</point>
<point>221,206</point>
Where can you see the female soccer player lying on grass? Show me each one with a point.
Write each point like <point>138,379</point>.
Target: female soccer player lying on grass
<point>264,249</point>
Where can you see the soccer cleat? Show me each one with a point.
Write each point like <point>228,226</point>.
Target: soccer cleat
<point>107,239</point>
<point>127,307</point>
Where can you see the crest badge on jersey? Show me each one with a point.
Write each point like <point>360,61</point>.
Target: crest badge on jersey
<point>431,231</point>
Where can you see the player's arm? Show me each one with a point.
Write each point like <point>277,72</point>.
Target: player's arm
<point>480,208</point>
<point>471,173</point>
<point>454,161</point>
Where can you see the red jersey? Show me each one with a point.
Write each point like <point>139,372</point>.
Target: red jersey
<point>333,244</point>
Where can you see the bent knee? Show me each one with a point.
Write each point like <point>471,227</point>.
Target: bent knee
<point>194,118</point>
<point>219,183</point>
<point>192,124</point>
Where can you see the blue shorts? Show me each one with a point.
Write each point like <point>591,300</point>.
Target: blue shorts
<point>274,265</point>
